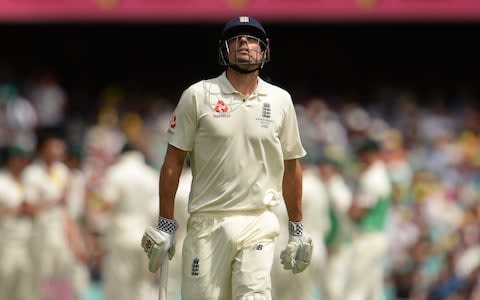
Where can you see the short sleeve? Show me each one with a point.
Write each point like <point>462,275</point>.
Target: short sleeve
<point>183,123</point>
<point>289,134</point>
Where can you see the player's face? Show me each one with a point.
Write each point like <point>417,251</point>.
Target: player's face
<point>18,163</point>
<point>326,171</point>
<point>54,150</point>
<point>367,158</point>
<point>245,49</point>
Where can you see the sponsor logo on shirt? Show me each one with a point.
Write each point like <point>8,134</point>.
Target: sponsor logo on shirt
<point>173,122</point>
<point>221,106</point>
<point>222,109</point>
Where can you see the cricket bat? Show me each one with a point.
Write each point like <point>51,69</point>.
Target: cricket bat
<point>162,292</point>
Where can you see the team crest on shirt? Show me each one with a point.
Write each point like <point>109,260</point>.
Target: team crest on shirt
<point>195,267</point>
<point>266,111</point>
<point>266,118</point>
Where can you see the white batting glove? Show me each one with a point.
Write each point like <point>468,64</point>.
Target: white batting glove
<point>298,253</point>
<point>158,243</point>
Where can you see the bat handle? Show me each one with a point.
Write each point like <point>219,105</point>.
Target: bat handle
<point>162,292</point>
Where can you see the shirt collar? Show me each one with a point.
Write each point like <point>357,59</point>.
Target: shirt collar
<point>225,85</point>
<point>228,88</point>
<point>261,87</point>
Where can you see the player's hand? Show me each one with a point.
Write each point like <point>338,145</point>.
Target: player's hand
<point>159,243</point>
<point>298,253</point>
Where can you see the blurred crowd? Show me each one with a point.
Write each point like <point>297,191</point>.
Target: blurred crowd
<point>431,149</point>
<point>78,190</point>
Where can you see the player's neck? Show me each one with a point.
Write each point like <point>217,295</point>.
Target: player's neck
<point>47,162</point>
<point>15,171</point>
<point>244,83</point>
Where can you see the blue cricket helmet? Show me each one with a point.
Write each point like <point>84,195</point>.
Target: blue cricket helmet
<point>244,25</point>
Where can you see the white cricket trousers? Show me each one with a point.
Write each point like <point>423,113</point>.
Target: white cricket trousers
<point>52,258</point>
<point>335,273</point>
<point>15,272</point>
<point>367,267</point>
<point>229,256</point>
<point>125,266</point>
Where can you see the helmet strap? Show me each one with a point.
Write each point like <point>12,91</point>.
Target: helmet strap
<point>242,71</point>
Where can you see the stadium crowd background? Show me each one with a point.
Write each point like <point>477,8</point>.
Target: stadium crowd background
<point>414,88</point>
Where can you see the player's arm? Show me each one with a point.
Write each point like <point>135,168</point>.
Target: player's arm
<point>298,252</point>
<point>169,179</point>
<point>159,242</point>
<point>35,207</point>
<point>27,209</point>
<point>356,212</point>
<point>292,189</point>
<point>6,211</point>
<point>363,200</point>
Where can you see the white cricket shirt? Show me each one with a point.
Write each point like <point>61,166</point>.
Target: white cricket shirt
<point>237,146</point>
<point>131,186</point>
<point>374,185</point>
<point>12,227</point>
<point>46,185</point>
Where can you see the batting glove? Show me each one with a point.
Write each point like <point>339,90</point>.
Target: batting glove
<point>298,253</point>
<point>158,243</point>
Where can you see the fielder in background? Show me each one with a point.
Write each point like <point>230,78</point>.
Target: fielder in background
<point>304,286</point>
<point>242,137</point>
<point>369,212</point>
<point>15,228</point>
<point>130,189</point>
<point>46,183</point>
<point>338,238</point>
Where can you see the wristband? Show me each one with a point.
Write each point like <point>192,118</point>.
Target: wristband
<point>167,225</point>
<point>295,228</point>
